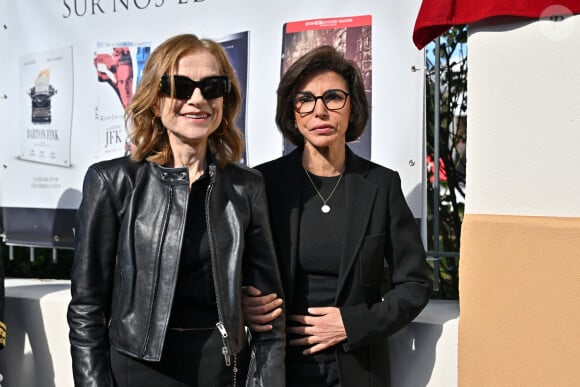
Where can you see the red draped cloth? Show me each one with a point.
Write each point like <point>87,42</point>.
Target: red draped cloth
<point>437,16</point>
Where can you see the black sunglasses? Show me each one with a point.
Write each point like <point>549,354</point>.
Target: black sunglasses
<point>210,87</point>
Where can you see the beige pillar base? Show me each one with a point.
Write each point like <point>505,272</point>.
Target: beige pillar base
<point>520,301</point>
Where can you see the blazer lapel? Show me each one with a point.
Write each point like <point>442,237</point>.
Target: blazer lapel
<point>360,196</point>
<point>287,218</point>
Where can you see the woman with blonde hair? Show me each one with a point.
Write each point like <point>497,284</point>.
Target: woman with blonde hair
<point>167,236</point>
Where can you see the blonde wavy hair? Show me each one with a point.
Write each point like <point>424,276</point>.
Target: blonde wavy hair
<point>147,133</point>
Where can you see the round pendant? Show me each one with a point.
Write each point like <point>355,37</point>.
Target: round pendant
<point>325,208</point>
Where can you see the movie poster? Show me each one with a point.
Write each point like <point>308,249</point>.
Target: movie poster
<point>118,68</point>
<point>349,35</point>
<point>46,88</point>
<point>236,47</point>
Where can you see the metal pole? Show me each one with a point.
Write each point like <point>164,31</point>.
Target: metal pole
<point>436,193</point>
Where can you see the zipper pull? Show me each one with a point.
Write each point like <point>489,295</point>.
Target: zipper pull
<point>222,329</point>
<point>225,350</point>
<point>226,354</point>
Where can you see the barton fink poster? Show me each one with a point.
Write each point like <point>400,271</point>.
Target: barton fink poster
<point>46,84</point>
<point>117,68</point>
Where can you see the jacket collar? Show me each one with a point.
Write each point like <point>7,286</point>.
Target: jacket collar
<point>178,176</point>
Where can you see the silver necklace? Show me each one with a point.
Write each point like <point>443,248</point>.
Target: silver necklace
<point>325,207</point>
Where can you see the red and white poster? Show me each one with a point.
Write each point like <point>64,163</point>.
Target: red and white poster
<point>118,67</point>
<point>351,35</point>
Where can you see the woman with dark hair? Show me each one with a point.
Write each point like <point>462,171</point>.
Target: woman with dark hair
<point>336,219</point>
<point>167,237</point>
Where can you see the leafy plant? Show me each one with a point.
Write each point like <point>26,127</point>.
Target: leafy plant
<point>21,266</point>
<point>452,107</point>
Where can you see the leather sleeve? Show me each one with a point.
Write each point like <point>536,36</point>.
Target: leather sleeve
<point>410,277</point>
<point>267,367</point>
<point>91,282</point>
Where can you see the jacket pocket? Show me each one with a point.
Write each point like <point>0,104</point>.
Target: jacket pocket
<point>371,258</point>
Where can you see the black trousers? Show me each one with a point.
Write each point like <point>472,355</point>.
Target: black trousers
<point>189,359</point>
<point>313,373</point>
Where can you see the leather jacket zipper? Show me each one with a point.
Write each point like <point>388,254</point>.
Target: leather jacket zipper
<point>156,279</point>
<point>226,352</point>
<point>224,334</point>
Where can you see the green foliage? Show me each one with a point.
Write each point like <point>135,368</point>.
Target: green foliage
<point>452,135</point>
<point>21,266</point>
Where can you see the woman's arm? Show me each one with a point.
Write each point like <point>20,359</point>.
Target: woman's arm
<point>261,270</point>
<point>91,283</point>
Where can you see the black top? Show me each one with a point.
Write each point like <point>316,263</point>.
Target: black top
<point>379,225</point>
<point>194,302</point>
<point>319,250</point>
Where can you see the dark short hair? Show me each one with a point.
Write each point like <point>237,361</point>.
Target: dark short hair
<point>322,58</point>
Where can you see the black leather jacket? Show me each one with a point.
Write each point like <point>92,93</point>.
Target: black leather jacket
<point>127,248</point>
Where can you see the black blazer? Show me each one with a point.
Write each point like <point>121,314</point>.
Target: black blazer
<point>380,227</point>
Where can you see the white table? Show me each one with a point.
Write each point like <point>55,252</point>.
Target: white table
<point>37,348</point>
<point>424,353</point>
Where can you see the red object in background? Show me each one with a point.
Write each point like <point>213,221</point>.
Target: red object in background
<point>437,16</point>
<point>431,169</point>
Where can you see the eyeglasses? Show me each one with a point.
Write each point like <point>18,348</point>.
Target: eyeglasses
<point>333,99</point>
<point>210,87</point>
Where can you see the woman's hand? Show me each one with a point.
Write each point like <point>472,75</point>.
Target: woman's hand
<point>260,310</point>
<point>322,329</point>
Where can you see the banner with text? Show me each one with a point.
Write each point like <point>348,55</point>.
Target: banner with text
<point>69,68</point>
